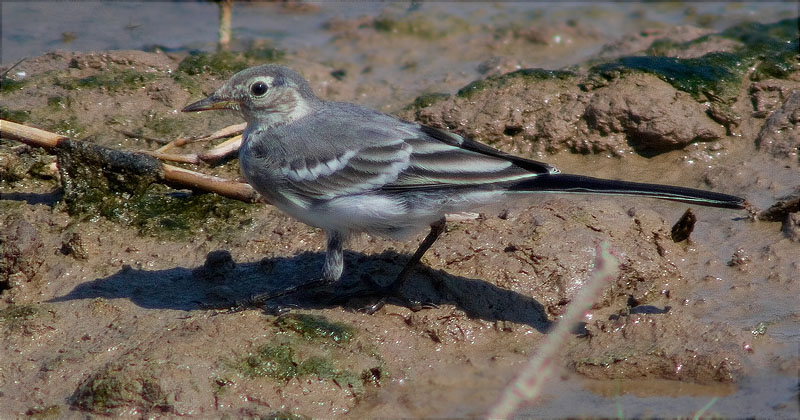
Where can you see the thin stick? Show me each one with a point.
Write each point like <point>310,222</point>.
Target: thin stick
<point>173,157</point>
<point>29,135</point>
<point>225,7</point>
<point>533,376</point>
<point>224,187</point>
<point>228,131</point>
<point>222,150</point>
<point>12,66</point>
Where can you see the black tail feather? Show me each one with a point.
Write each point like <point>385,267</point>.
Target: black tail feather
<point>579,184</point>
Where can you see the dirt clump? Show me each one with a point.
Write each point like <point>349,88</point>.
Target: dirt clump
<point>21,255</point>
<point>668,346</point>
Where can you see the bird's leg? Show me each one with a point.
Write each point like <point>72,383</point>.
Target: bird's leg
<point>436,229</point>
<point>393,288</point>
<point>334,259</point>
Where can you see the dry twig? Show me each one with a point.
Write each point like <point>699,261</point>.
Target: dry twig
<point>172,175</point>
<point>531,379</point>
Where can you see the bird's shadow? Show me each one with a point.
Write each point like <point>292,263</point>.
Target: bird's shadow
<point>220,280</point>
<point>48,198</point>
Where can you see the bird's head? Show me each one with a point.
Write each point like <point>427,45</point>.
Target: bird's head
<point>267,95</point>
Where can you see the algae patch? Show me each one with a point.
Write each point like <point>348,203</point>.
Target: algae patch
<point>113,389</point>
<point>113,80</point>
<point>717,76</point>
<point>226,63</point>
<point>15,115</point>
<point>316,327</point>
<point>282,362</point>
<point>122,187</point>
<point>427,99</point>
<point>10,85</point>
<point>774,46</point>
<point>313,346</point>
<point>525,75</point>
<point>14,317</point>
<point>714,76</point>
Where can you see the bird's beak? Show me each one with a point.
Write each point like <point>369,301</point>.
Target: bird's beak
<point>210,103</point>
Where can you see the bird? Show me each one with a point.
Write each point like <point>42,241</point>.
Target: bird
<point>349,169</point>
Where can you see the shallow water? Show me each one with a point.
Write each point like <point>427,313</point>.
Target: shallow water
<point>97,26</point>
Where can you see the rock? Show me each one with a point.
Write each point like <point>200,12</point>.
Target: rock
<point>780,134</point>
<point>20,252</point>
<point>666,346</point>
<point>651,113</point>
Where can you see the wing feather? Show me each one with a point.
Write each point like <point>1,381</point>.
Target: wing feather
<point>349,173</point>
<point>387,154</point>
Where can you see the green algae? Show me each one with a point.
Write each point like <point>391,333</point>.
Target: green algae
<point>15,115</point>
<point>57,103</point>
<point>112,389</point>
<point>427,99</point>
<point>14,317</point>
<point>223,64</point>
<point>112,80</point>
<point>774,46</point>
<point>311,346</point>
<point>8,85</point>
<point>525,75</point>
<point>771,49</point>
<point>714,76</point>
<point>420,27</point>
<point>104,182</point>
<point>281,362</point>
<point>277,362</point>
<point>123,187</point>
<point>316,327</point>
<point>161,211</point>
<point>226,63</point>
<point>260,54</point>
<point>660,47</point>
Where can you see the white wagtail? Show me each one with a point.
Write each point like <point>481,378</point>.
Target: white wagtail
<point>349,169</point>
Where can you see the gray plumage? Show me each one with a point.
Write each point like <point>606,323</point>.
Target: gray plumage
<point>349,169</point>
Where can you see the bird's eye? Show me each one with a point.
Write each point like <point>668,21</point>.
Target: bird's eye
<point>259,88</point>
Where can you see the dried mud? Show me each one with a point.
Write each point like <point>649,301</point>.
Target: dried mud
<point>104,315</point>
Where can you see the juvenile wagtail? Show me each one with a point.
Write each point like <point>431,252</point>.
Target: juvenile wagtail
<point>349,169</point>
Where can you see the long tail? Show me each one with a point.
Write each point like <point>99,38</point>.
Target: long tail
<point>579,184</point>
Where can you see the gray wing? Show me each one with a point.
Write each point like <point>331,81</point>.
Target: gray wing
<point>441,159</point>
<point>359,150</point>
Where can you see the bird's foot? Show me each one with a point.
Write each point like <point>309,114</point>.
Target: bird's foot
<point>414,305</point>
<point>266,300</point>
<point>393,293</point>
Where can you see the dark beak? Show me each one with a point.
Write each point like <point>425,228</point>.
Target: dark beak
<point>210,103</point>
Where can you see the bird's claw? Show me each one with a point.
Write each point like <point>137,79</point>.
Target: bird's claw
<point>392,293</point>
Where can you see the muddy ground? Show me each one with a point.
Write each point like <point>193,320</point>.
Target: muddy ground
<point>103,299</point>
